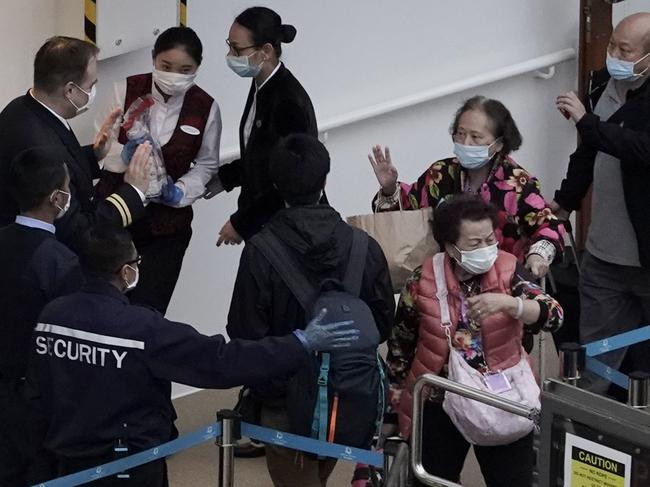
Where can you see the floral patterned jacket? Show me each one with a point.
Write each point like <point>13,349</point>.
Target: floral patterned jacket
<point>524,216</point>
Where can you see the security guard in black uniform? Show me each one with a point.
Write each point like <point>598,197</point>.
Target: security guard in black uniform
<point>104,367</point>
<point>36,268</point>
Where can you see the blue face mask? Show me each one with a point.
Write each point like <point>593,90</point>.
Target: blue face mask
<point>242,66</point>
<point>473,156</point>
<point>624,70</point>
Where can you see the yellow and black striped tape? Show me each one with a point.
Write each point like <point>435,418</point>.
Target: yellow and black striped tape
<point>90,20</point>
<point>182,13</point>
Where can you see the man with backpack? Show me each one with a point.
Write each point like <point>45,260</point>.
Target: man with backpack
<point>306,256</point>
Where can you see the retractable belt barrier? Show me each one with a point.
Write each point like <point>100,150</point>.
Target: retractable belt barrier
<point>212,431</point>
<point>612,343</point>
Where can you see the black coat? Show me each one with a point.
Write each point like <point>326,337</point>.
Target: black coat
<point>36,268</point>
<point>626,136</point>
<point>283,107</point>
<point>25,123</point>
<point>262,305</point>
<point>100,363</point>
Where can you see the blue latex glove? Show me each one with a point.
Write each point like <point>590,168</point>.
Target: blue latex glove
<point>129,148</point>
<point>170,193</point>
<point>329,336</point>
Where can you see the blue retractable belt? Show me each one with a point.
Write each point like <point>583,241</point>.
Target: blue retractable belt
<point>606,372</point>
<point>310,445</point>
<point>274,437</point>
<point>618,341</point>
<point>615,342</point>
<point>204,434</point>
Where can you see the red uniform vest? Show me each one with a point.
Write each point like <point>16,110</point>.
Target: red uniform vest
<point>178,153</point>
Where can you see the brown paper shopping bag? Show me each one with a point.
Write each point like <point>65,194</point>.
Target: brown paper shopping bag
<point>405,236</point>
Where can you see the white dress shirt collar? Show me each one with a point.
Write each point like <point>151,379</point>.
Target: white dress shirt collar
<point>61,119</point>
<point>275,70</point>
<point>27,221</point>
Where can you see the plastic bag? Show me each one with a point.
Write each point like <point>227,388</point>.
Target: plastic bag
<point>136,126</point>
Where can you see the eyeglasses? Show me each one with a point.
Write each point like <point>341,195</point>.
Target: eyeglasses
<point>237,50</point>
<point>137,261</point>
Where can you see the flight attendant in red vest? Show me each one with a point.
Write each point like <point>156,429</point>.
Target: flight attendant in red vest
<point>186,122</point>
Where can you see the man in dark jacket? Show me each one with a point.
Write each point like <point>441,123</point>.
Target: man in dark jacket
<point>104,367</point>
<point>36,268</point>
<point>65,77</point>
<point>321,241</point>
<point>614,155</point>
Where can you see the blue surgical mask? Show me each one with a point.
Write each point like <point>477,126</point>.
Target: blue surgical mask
<point>472,156</point>
<point>241,65</point>
<point>624,70</point>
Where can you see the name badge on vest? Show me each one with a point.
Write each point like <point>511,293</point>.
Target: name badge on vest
<point>497,382</point>
<point>188,129</point>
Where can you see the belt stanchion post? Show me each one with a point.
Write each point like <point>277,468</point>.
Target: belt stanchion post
<point>450,386</point>
<point>572,362</point>
<point>639,387</point>
<point>397,474</point>
<point>231,432</point>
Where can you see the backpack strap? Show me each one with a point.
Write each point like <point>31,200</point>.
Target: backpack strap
<point>286,266</point>
<point>321,413</point>
<point>357,262</point>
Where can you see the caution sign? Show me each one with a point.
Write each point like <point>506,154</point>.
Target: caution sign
<point>588,464</point>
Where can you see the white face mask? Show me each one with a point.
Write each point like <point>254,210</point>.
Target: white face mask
<point>133,284</point>
<point>64,209</point>
<point>91,98</point>
<point>478,261</point>
<point>241,65</point>
<point>173,83</point>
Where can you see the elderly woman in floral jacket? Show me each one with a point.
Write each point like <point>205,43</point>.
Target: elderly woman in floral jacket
<point>484,135</point>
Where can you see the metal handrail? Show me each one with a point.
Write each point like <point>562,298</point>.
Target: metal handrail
<point>438,92</point>
<point>465,391</point>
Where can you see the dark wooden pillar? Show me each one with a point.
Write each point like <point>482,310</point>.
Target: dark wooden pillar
<point>595,31</point>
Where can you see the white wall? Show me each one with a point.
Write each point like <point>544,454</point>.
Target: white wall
<point>350,55</point>
<point>629,7</point>
<point>23,27</point>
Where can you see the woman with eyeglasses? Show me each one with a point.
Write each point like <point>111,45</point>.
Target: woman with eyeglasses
<point>185,122</point>
<point>277,106</point>
<point>484,135</point>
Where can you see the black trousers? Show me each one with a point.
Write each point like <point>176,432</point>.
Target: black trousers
<point>22,428</point>
<point>162,259</point>
<point>153,474</point>
<point>444,450</point>
<point>14,445</point>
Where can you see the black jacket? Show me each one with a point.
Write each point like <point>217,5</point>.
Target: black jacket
<point>25,123</point>
<point>262,305</point>
<point>35,270</point>
<point>100,363</point>
<point>283,107</point>
<point>626,136</point>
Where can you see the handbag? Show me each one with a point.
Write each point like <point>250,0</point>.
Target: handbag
<point>479,423</point>
<point>405,236</point>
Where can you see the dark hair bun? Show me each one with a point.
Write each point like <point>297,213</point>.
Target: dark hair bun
<point>288,33</point>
